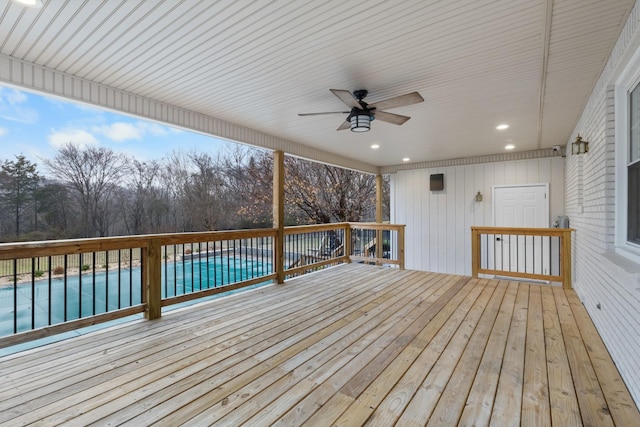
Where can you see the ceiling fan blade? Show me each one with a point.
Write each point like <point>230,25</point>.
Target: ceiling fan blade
<point>344,125</point>
<point>347,97</point>
<point>398,101</point>
<point>396,119</point>
<point>320,114</point>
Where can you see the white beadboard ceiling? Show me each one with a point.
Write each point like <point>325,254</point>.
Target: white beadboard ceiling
<point>478,63</point>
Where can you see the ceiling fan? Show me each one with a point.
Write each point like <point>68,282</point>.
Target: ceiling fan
<point>361,114</point>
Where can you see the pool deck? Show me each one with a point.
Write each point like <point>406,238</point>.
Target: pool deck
<point>350,345</point>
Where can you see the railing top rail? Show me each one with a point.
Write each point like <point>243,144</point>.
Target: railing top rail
<point>16,250</point>
<point>523,230</point>
<point>295,229</point>
<point>376,226</point>
<point>211,236</point>
<point>96,244</point>
<point>339,225</point>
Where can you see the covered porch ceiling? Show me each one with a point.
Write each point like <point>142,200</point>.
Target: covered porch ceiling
<point>257,64</point>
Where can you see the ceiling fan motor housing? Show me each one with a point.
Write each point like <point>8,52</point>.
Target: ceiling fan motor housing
<point>360,94</point>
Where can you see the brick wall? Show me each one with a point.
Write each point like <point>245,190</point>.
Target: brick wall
<point>607,283</point>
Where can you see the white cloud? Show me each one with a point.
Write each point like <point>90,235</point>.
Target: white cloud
<point>77,137</point>
<point>154,128</point>
<point>120,131</point>
<point>11,108</point>
<point>123,131</point>
<point>3,131</point>
<point>12,96</point>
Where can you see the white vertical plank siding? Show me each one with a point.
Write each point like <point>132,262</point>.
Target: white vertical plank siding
<point>439,222</point>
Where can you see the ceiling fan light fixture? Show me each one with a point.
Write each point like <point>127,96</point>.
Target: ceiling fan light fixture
<point>360,123</point>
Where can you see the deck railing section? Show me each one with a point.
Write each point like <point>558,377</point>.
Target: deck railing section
<point>531,253</point>
<point>52,287</point>
<point>195,265</point>
<point>377,243</point>
<point>309,248</point>
<point>57,286</point>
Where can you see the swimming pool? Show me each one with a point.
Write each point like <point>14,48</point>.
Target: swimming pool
<point>44,302</point>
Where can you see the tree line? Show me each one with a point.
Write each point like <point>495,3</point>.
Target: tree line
<point>96,191</point>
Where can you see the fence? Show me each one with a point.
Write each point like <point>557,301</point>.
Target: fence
<point>533,253</point>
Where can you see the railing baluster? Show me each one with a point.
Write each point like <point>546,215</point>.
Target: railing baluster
<point>119,280</point>
<point>33,293</point>
<point>49,292</point>
<point>65,288</point>
<point>184,273</point>
<point>80,286</point>
<point>93,286</point>
<point>15,296</point>
<point>106,282</point>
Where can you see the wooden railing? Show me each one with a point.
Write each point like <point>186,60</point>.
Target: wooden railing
<point>380,244</point>
<point>312,247</point>
<point>56,286</point>
<point>531,253</point>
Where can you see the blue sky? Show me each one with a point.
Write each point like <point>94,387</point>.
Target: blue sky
<point>36,126</point>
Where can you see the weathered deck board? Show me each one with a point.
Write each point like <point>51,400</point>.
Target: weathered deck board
<point>351,345</point>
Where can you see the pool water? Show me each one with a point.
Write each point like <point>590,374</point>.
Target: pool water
<point>114,289</point>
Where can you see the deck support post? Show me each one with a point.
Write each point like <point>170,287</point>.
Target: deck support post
<point>565,258</point>
<point>347,243</point>
<point>152,271</point>
<point>278,214</point>
<point>379,242</point>
<point>475,252</point>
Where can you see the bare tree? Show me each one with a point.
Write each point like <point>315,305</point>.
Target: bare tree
<point>202,193</point>
<point>248,183</point>
<point>326,193</point>
<point>174,178</point>
<point>314,192</point>
<point>142,208</point>
<point>93,174</point>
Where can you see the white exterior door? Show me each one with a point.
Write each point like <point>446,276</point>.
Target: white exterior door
<point>521,206</point>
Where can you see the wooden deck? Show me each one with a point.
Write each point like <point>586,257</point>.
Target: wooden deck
<point>351,345</point>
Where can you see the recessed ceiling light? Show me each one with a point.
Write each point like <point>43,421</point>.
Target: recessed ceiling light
<point>406,159</point>
<point>375,146</point>
<point>509,147</point>
<point>502,126</point>
<point>29,3</point>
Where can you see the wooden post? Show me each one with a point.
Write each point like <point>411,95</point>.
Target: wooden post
<point>347,242</point>
<point>566,259</point>
<point>475,252</point>
<point>278,214</point>
<point>152,259</point>
<point>379,243</point>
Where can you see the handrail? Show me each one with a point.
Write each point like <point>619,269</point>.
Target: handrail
<point>490,249</point>
<point>150,265</point>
